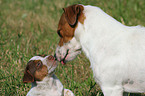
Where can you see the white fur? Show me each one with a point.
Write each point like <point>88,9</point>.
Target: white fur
<point>50,85</point>
<point>116,52</point>
<point>74,49</point>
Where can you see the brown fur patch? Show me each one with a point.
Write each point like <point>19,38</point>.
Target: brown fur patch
<point>40,74</point>
<point>65,30</point>
<point>28,77</point>
<point>82,17</point>
<point>35,71</point>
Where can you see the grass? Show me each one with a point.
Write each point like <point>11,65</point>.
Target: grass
<point>28,28</point>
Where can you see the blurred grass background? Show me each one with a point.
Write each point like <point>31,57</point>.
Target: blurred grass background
<point>28,28</point>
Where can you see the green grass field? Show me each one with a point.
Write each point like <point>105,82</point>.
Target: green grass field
<point>28,28</point>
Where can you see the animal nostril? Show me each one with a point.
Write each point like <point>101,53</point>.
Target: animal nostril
<point>51,57</point>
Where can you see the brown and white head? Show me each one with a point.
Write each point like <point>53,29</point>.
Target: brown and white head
<point>38,68</point>
<point>68,47</point>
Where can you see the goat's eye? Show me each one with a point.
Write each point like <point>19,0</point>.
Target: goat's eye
<point>59,33</point>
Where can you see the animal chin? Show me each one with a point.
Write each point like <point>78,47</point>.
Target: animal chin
<point>54,63</point>
<point>63,62</point>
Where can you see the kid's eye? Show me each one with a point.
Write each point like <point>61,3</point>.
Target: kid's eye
<point>38,64</point>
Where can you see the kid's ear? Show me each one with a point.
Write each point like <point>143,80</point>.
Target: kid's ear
<point>28,77</point>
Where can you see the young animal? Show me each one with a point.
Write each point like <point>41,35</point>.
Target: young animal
<point>40,72</point>
<point>116,52</point>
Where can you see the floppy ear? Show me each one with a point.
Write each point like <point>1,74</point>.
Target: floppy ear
<point>71,13</point>
<point>28,77</point>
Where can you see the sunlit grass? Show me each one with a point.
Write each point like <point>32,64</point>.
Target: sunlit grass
<point>28,28</point>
